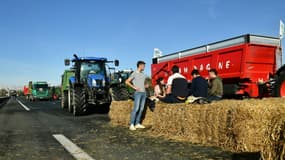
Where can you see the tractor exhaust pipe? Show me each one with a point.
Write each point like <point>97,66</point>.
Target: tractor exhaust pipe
<point>75,56</point>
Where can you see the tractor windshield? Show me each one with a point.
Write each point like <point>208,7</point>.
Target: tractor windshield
<point>125,75</point>
<point>91,68</point>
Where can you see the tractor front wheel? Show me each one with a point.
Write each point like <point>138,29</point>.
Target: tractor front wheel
<point>64,100</point>
<point>80,104</point>
<point>70,100</point>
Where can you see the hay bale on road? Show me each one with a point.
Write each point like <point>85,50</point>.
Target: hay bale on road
<point>241,126</point>
<point>120,113</point>
<point>274,140</point>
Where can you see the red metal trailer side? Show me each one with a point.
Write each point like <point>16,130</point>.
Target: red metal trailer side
<point>247,64</point>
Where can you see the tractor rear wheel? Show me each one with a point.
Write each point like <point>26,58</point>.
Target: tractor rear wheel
<point>119,93</point>
<point>280,86</point>
<point>70,100</point>
<point>115,92</point>
<point>80,104</point>
<point>124,94</point>
<point>64,100</point>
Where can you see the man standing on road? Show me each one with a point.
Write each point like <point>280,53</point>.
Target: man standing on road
<point>137,82</point>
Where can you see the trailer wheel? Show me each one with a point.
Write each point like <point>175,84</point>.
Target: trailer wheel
<point>280,86</point>
<point>64,100</point>
<point>80,104</point>
<point>70,105</point>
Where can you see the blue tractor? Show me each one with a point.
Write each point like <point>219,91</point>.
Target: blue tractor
<point>90,84</point>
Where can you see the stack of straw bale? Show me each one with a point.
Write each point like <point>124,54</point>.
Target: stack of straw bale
<point>237,125</point>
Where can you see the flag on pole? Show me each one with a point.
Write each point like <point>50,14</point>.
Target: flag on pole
<point>281,32</point>
<point>157,53</point>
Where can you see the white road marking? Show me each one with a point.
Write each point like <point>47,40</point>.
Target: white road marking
<point>72,148</point>
<point>24,106</point>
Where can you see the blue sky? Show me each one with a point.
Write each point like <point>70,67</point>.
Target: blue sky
<point>37,35</point>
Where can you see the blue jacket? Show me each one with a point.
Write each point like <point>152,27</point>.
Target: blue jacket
<point>199,87</point>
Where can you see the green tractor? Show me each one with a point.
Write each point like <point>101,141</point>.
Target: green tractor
<point>119,90</point>
<point>65,87</point>
<point>89,86</point>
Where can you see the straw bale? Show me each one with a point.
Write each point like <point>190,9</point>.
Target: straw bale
<point>252,125</point>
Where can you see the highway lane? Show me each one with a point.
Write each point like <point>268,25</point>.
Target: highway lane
<point>30,134</point>
<point>24,135</point>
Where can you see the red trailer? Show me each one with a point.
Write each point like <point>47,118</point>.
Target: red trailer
<point>249,65</point>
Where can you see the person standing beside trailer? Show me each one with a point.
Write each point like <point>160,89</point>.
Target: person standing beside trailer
<point>199,85</point>
<point>137,82</point>
<point>177,87</point>
<point>215,86</point>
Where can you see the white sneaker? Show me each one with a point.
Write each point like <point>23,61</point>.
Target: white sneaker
<point>139,126</point>
<point>132,128</point>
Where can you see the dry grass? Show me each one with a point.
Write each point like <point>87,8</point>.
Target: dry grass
<point>241,126</point>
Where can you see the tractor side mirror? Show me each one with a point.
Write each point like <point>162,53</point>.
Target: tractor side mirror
<point>117,63</point>
<point>66,62</point>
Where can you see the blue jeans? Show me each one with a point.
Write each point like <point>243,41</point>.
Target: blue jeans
<point>139,103</point>
<point>171,99</point>
<point>214,98</point>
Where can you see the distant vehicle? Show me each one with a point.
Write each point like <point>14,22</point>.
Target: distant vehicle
<point>27,92</point>
<point>12,93</point>
<point>90,84</point>
<point>250,65</point>
<point>54,92</point>
<point>37,91</point>
<point>119,90</point>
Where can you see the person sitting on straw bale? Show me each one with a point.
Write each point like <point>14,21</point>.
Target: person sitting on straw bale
<point>215,86</point>
<point>199,88</point>
<point>177,87</point>
<point>159,89</point>
<point>199,85</point>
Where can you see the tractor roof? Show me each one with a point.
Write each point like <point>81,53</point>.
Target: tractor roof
<point>91,59</point>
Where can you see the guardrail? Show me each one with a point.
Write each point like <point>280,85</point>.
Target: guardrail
<point>3,100</point>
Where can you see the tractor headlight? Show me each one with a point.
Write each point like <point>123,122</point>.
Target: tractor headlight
<point>103,83</point>
<point>94,83</point>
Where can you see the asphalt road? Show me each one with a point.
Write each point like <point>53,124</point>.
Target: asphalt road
<point>29,133</point>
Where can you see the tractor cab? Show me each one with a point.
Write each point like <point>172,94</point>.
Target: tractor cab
<point>92,72</point>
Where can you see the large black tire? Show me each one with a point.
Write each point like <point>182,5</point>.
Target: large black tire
<point>279,89</point>
<point>80,102</point>
<point>119,93</point>
<point>124,94</point>
<point>115,92</point>
<point>70,100</point>
<point>64,100</point>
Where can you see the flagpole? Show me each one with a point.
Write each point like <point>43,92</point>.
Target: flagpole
<point>281,51</point>
<point>281,35</point>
